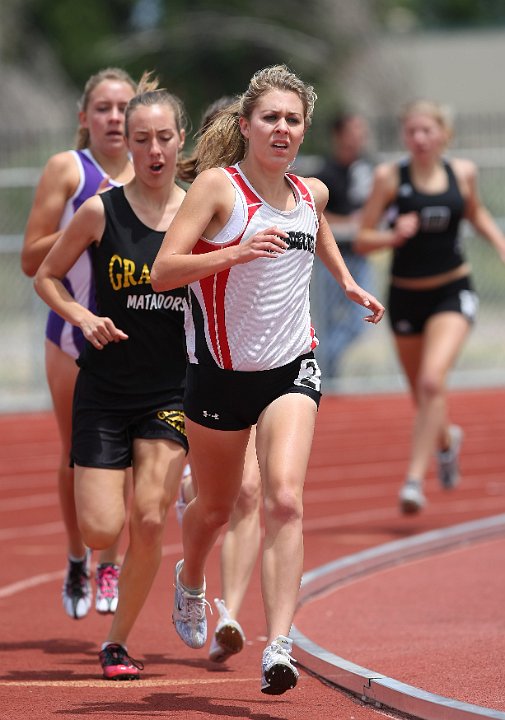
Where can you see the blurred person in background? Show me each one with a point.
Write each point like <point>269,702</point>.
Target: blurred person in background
<point>127,409</point>
<point>100,161</point>
<point>347,173</point>
<point>432,303</point>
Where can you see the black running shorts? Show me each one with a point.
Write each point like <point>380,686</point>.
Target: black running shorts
<point>409,310</point>
<point>104,425</point>
<point>234,400</point>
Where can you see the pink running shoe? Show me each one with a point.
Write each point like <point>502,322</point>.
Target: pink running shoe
<point>118,665</point>
<point>107,580</point>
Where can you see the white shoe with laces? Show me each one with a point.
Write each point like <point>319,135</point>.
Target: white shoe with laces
<point>278,673</point>
<point>188,615</point>
<point>228,638</point>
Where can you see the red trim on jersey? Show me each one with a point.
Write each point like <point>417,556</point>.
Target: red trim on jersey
<point>214,286</point>
<point>213,290</point>
<point>254,202</point>
<point>304,190</point>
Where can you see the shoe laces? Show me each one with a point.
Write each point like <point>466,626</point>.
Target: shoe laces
<point>276,648</point>
<point>192,607</point>
<point>115,654</point>
<point>107,576</point>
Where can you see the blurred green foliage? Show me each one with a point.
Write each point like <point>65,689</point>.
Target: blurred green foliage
<point>444,14</point>
<point>202,49</point>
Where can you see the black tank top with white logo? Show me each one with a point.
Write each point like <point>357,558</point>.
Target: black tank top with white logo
<point>436,247</point>
<point>153,359</point>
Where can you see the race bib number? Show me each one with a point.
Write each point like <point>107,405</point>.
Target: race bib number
<point>309,375</point>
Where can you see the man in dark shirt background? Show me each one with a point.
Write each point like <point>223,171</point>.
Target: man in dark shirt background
<point>347,173</point>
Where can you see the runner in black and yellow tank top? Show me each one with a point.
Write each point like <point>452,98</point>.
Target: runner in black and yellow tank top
<point>129,391</point>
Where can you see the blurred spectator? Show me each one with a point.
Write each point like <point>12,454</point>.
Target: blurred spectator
<point>347,173</point>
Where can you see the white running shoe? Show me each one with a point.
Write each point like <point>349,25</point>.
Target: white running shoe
<point>278,673</point>
<point>448,460</point>
<point>228,638</point>
<point>107,581</point>
<point>76,592</point>
<point>189,613</point>
<point>411,497</point>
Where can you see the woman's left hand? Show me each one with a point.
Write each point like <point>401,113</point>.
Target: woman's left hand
<point>367,300</point>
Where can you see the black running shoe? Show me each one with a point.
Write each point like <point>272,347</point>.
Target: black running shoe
<point>76,592</point>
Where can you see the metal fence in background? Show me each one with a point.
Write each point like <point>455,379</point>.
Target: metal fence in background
<point>369,365</point>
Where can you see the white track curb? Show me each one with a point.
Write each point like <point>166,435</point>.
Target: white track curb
<point>374,687</point>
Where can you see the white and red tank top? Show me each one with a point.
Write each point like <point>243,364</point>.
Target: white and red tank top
<point>256,316</point>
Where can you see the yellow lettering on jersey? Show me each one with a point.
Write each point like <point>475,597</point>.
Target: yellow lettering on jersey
<point>129,270</point>
<point>115,279</point>
<point>122,273</point>
<point>145,276</point>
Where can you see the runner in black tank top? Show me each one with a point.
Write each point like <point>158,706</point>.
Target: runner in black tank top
<point>436,247</point>
<point>153,360</point>
<point>129,391</point>
<point>431,304</point>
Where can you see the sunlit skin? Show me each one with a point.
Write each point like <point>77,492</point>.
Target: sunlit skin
<point>274,131</point>
<point>154,142</point>
<point>104,117</point>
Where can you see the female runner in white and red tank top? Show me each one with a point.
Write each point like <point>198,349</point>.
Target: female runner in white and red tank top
<point>244,240</point>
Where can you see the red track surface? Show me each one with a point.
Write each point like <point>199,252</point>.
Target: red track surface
<point>49,663</point>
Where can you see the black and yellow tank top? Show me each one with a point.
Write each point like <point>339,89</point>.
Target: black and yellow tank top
<point>154,357</point>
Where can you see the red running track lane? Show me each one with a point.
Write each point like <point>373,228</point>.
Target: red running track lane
<point>49,662</point>
<point>435,622</point>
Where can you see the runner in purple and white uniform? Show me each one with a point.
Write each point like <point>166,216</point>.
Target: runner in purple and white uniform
<point>68,179</point>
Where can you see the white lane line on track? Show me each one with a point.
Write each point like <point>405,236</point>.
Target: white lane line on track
<point>43,578</point>
<point>365,516</point>
<point>130,685</point>
<point>27,583</point>
<point>323,523</point>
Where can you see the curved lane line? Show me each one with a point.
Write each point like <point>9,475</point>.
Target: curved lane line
<point>371,686</point>
<point>43,578</point>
